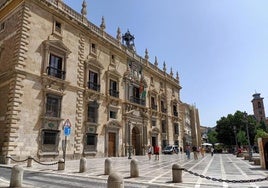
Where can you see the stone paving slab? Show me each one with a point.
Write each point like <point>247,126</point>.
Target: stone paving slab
<point>158,173</point>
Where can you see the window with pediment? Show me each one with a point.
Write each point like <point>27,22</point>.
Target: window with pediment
<point>93,73</point>
<point>163,106</point>
<point>113,91</point>
<point>153,103</point>
<point>137,88</point>
<point>55,58</point>
<point>93,80</point>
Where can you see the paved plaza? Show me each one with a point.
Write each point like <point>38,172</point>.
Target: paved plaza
<point>158,173</point>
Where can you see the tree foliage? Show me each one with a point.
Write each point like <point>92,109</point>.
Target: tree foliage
<point>260,134</point>
<point>212,137</point>
<point>229,127</point>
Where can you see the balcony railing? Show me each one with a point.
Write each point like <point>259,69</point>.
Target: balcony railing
<point>175,113</point>
<point>137,100</point>
<point>94,86</point>
<point>58,73</point>
<point>114,93</point>
<point>164,110</point>
<point>154,106</point>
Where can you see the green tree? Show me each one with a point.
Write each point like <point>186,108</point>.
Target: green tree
<point>242,138</point>
<point>227,128</point>
<point>260,134</point>
<point>212,137</point>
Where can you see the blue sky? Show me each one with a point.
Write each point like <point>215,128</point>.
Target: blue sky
<point>218,47</point>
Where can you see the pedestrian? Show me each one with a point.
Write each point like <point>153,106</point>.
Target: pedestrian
<point>181,150</point>
<point>202,151</point>
<point>195,152</point>
<point>149,152</point>
<point>188,152</point>
<point>156,152</point>
<point>212,151</point>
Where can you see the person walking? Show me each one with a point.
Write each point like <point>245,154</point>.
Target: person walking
<point>150,152</point>
<point>212,151</point>
<point>188,152</point>
<point>156,152</point>
<point>195,152</point>
<point>202,151</point>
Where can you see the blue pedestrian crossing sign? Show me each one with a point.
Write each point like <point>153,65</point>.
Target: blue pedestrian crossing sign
<point>67,127</point>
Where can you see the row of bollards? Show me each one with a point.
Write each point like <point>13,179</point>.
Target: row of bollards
<point>115,180</point>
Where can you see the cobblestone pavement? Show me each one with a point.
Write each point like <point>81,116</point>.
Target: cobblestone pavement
<point>158,173</point>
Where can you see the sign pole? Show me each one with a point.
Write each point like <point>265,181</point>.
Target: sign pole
<point>64,150</point>
<point>67,132</point>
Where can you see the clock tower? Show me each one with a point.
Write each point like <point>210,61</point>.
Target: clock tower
<point>258,107</point>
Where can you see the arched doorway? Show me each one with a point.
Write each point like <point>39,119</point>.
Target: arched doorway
<point>136,141</point>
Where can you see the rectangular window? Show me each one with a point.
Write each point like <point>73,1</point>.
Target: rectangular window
<point>55,67</point>
<point>93,81</point>
<point>93,112</point>
<point>57,27</point>
<point>164,128</point>
<point>163,109</point>
<point>91,139</point>
<point>153,123</point>
<point>113,114</point>
<point>176,128</point>
<point>175,112</point>
<point>113,89</point>
<point>53,105</point>
<point>49,137</point>
<point>153,104</point>
<point>93,48</point>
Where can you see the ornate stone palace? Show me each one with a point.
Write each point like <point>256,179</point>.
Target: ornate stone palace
<point>57,69</point>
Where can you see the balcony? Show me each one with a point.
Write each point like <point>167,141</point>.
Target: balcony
<point>137,100</point>
<point>94,86</point>
<point>154,106</point>
<point>58,73</point>
<point>114,93</point>
<point>164,110</point>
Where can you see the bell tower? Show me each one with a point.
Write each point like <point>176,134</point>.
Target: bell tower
<point>258,107</point>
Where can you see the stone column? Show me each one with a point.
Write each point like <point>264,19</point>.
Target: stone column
<point>134,169</point>
<point>107,166</point>
<point>16,176</point>
<point>176,173</point>
<point>83,165</point>
<point>115,181</point>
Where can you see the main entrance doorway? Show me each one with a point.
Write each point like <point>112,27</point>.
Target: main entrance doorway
<point>111,144</point>
<point>136,141</point>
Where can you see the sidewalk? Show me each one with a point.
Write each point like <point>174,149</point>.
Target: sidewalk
<point>158,173</point>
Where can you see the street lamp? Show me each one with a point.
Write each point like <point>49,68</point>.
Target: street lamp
<point>129,134</point>
<point>249,146</point>
<point>236,146</point>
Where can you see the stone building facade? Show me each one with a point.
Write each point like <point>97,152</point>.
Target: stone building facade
<point>58,67</point>
<point>190,124</point>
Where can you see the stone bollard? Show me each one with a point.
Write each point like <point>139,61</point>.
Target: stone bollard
<point>8,159</point>
<point>134,170</point>
<point>83,165</point>
<point>61,164</point>
<point>30,161</point>
<point>115,181</point>
<point>16,176</point>
<point>107,166</point>
<point>176,173</point>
